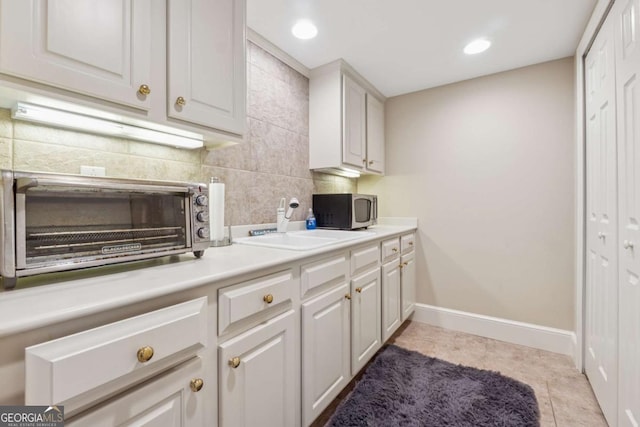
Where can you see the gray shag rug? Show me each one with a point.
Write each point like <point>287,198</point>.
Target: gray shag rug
<point>406,388</point>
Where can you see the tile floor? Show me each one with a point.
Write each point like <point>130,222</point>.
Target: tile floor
<point>564,395</point>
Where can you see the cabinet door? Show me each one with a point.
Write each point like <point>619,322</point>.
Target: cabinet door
<point>391,310</point>
<point>375,135</point>
<point>365,318</point>
<point>353,123</point>
<point>206,55</point>
<point>172,400</point>
<point>325,350</point>
<point>408,284</point>
<point>100,48</point>
<point>258,376</point>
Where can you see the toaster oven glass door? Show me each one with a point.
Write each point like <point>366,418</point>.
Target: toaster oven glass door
<point>77,223</point>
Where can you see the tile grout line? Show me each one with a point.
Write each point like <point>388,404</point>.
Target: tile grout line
<point>551,402</point>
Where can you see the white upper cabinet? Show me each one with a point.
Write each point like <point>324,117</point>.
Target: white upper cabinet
<point>375,135</point>
<point>179,64</point>
<point>354,146</point>
<point>207,82</point>
<point>346,122</point>
<point>102,49</point>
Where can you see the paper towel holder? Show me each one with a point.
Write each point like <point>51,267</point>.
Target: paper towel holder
<point>222,236</point>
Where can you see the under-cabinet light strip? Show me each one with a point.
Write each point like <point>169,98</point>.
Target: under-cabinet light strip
<point>68,120</point>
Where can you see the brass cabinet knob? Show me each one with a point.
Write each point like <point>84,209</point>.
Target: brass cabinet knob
<point>348,296</point>
<point>370,162</point>
<point>234,362</point>
<point>410,243</point>
<point>394,249</point>
<point>364,160</point>
<point>405,264</point>
<point>196,384</point>
<point>145,354</point>
<point>359,290</point>
<point>400,265</point>
<point>181,101</point>
<point>268,298</point>
<point>144,90</point>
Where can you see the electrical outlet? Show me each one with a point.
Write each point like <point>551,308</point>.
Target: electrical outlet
<point>92,171</point>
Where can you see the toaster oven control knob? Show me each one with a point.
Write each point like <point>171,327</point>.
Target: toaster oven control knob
<point>201,200</point>
<point>203,232</point>
<point>202,216</point>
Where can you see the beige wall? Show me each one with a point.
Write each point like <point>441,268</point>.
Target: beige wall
<point>487,166</point>
<point>272,163</point>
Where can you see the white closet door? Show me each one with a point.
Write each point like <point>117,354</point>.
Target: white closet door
<point>602,268</point>
<point>626,15</point>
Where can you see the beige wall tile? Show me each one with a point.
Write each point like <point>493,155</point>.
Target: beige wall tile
<point>239,156</point>
<point>6,124</point>
<point>6,153</point>
<point>161,169</point>
<point>40,133</point>
<point>237,193</point>
<point>35,156</point>
<point>268,63</point>
<point>156,151</point>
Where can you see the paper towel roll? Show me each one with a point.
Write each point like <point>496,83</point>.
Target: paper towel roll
<point>216,209</point>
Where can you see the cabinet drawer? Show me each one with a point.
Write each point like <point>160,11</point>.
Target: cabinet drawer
<point>364,258</point>
<point>407,243</point>
<point>390,249</point>
<point>327,271</point>
<point>247,299</point>
<point>168,400</point>
<point>62,369</point>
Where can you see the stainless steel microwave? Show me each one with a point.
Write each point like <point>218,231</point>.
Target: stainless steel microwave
<point>346,211</point>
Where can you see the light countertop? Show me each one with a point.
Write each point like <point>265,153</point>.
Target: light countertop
<point>74,294</point>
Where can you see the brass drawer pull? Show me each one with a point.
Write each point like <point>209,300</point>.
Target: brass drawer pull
<point>196,384</point>
<point>144,90</point>
<point>268,298</point>
<point>348,296</point>
<point>145,354</point>
<point>359,290</point>
<point>234,362</point>
<point>181,101</point>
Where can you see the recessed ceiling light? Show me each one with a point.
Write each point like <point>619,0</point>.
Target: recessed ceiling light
<point>304,29</point>
<point>477,46</point>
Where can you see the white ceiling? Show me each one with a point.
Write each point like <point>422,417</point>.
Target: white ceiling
<point>406,45</point>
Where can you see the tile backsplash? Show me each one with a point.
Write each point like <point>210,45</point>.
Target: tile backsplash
<point>273,162</point>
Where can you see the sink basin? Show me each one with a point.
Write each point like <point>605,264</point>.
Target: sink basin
<point>303,240</point>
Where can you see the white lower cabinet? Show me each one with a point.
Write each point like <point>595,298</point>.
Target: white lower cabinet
<point>365,318</point>
<point>179,398</point>
<point>257,375</point>
<point>325,350</point>
<point>408,284</point>
<point>287,343</point>
<point>136,349</point>
<point>391,306</point>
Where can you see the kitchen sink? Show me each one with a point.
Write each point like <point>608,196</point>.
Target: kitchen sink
<point>303,240</point>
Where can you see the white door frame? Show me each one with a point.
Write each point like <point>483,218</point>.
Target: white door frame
<point>597,17</point>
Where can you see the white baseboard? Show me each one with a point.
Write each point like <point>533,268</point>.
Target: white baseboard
<point>540,337</point>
